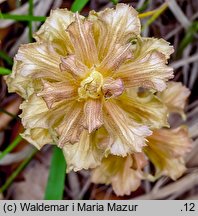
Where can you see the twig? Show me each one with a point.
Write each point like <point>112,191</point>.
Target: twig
<point>183,62</point>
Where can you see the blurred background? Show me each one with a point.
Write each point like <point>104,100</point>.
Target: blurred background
<point>23,171</point>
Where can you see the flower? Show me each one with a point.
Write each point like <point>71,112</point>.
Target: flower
<point>175,97</point>
<point>124,173</point>
<point>84,82</point>
<point>165,148</point>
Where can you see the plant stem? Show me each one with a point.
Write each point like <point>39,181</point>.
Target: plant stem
<point>18,17</point>
<point>16,141</point>
<point>155,15</point>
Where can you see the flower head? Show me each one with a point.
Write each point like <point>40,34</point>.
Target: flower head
<point>86,84</point>
<point>166,149</point>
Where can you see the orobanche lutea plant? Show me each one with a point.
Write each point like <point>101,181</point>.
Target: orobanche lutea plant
<point>97,89</point>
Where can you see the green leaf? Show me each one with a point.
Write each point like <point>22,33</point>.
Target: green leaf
<point>78,5</point>
<point>114,1</point>
<point>5,71</point>
<point>188,38</point>
<point>18,17</point>
<point>5,57</point>
<point>56,179</point>
<point>16,141</point>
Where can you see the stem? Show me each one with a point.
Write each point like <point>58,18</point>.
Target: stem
<point>18,17</point>
<point>157,13</point>
<point>16,141</point>
<point>10,114</point>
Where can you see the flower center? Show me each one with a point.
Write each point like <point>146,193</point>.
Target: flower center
<point>91,86</point>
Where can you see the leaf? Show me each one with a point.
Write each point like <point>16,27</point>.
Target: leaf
<point>188,38</point>
<point>5,71</point>
<point>114,1</point>
<point>56,179</point>
<point>78,5</point>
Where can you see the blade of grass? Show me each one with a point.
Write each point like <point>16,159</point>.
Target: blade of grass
<point>31,7</point>
<point>18,17</point>
<point>8,113</point>
<point>155,15</point>
<point>143,7</point>
<point>16,141</point>
<point>188,38</point>
<point>5,57</point>
<point>56,179</point>
<point>78,5</point>
<point>17,171</point>
<point>114,1</point>
<point>5,71</point>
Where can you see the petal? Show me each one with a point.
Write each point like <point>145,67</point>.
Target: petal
<point>175,97</point>
<point>39,60</point>
<point>149,71</point>
<point>71,127</point>
<point>148,68</point>
<point>118,171</point>
<point>54,30</point>
<point>38,137</point>
<point>93,115</point>
<point>84,154</point>
<point>129,136</point>
<point>21,85</point>
<point>114,26</point>
<point>34,113</point>
<point>146,109</point>
<point>114,59</point>
<point>72,65</point>
<point>162,46</point>
<point>57,91</point>
<point>81,35</point>
<point>112,87</point>
<point>166,148</point>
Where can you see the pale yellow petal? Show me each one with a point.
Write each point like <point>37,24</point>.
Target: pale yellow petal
<point>57,91</point>
<point>148,70</point>
<point>120,173</point>
<point>37,137</point>
<point>21,85</point>
<point>93,115</point>
<point>166,148</point>
<point>162,46</point>
<point>129,136</point>
<point>34,112</point>
<point>114,26</point>
<point>148,67</point>
<point>81,34</point>
<point>145,108</point>
<point>84,154</point>
<point>54,30</point>
<point>175,97</point>
<point>39,60</point>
